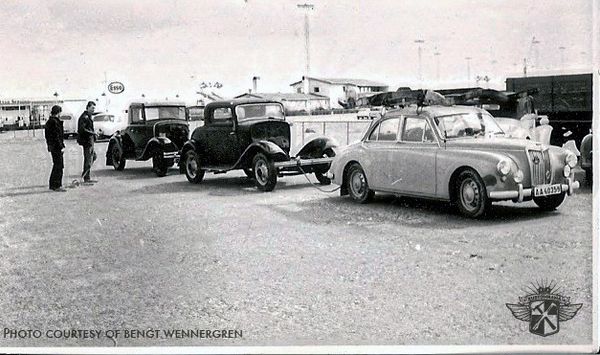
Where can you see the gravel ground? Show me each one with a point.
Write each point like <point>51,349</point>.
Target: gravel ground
<point>291,267</point>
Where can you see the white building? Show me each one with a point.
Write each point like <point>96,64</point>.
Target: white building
<point>340,90</point>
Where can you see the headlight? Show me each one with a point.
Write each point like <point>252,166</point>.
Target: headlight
<point>571,159</point>
<point>566,171</point>
<point>503,167</point>
<point>518,176</point>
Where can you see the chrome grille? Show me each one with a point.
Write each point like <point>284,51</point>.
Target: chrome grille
<point>540,167</point>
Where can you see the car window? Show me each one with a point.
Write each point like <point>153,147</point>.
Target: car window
<point>414,129</point>
<point>388,130</point>
<point>222,114</point>
<point>273,111</point>
<point>136,115</point>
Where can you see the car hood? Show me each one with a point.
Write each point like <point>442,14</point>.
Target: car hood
<point>493,144</point>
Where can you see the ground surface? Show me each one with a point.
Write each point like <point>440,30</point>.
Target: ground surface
<point>295,266</point>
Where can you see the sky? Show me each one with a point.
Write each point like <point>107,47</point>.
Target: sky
<point>166,48</point>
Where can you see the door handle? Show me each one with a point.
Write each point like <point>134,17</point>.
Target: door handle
<point>231,133</point>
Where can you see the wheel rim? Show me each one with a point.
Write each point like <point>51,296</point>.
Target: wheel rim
<point>191,166</point>
<point>116,157</point>
<point>470,195</point>
<point>358,183</point>
<point>261,172</point>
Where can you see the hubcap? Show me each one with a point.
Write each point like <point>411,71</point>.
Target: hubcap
<point>261,171</point>
<point>191,166</point>
<point>469,194</point>
<point>357,183</point>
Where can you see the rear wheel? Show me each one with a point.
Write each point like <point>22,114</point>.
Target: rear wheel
<point>470,194</point>
<point>358,187</point>
<point>320,175</point>
<point>118,161</point>
<point>549,203</point>
<point>191,167</point>
<point>159,164</point>
<point>265,174</point>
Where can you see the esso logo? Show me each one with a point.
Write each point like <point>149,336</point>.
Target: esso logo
<point>116,87</point>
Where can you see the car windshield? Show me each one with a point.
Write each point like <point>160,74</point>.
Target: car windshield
<point>165,112</point>
<point>245,112</point>
<point>471,124</point>
<point>104,118</point>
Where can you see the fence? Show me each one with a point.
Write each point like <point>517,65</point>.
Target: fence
<point>344,128</point>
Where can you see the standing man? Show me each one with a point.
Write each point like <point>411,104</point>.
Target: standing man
<point>54,141</point>
<point>86,137</point>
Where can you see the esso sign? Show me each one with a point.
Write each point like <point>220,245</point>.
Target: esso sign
<point>116,87</point>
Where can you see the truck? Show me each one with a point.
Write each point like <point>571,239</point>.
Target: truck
<point>565,99</point>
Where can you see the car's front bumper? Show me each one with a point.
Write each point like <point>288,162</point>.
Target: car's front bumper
<point>521,193</point>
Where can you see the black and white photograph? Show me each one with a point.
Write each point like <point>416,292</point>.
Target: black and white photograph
<point>299,176</point>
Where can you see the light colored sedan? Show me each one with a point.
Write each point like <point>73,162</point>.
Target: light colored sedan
<point>106,124</point>
<point>453,153</point>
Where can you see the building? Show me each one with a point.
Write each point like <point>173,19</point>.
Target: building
<point>35,111</point>
<point>340,90</point>
<point>292,101</point>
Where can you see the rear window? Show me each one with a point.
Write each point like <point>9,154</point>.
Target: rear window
<point>104,118</point>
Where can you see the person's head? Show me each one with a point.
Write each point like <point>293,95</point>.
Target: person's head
<point>91,106</point>
<point>56,110</point>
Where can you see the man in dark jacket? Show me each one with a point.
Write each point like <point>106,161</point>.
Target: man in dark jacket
<point>54,139</point>
<point>86,137</point>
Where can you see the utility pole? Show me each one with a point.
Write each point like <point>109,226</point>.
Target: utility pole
<point>420,53</point>
<point>306,7</point>
<point>468,69</point>
<point>562,57</point>
<point>437,65</point>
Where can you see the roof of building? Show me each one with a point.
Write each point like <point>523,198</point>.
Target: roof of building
<point>284,96</point>
<point>344,81</point>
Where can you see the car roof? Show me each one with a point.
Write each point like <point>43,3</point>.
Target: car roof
<point>158,103</point>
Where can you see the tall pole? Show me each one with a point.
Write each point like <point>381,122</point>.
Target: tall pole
<point>536,54</point>
<point>306,7</point>
<point>419,42</point>
<point>437,65</point>
<point>468,69</point>
<point>562,57</point>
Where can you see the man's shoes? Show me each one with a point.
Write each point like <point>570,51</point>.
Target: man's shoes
<point>90,181</point>
<point>58,189</point>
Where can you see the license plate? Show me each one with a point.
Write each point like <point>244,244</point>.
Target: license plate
<point>546,190</point>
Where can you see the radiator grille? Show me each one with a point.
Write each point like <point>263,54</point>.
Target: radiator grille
<point>540,167</point>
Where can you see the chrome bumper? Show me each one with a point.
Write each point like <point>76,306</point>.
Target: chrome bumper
<point>171,155</point>
<point>522,193</point>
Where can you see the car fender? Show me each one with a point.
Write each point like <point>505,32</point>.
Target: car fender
<point>451,162</point>
<point>268,148</point>
<point>114,140</point>
<point>157,143</point>
<point>586,151</point>
<point>316,147</point>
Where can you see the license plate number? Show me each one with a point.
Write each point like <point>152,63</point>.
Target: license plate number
<point>546,190</point>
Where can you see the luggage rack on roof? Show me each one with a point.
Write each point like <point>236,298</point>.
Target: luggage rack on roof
<point>406,97</point>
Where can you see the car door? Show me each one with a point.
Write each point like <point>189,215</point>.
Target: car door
<point>414,158</point>
<point>135,131</point>
<point>221,138</point>
<point>378,148</point>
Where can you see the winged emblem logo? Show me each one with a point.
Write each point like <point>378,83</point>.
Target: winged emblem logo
<point>544,308</point>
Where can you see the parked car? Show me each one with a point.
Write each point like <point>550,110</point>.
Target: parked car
<point>252,135</point>
<point>106,124</point>
<point>453,153</point>
<point>155,130</point>
<point>69,124</point>
<point>586,157</point>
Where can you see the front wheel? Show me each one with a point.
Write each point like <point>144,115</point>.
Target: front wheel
<point>118,161</point>
<point>159,164</point>
<point>265,174</point>
<point>470,194</point>
<point>191,167</point>
<point>320,175</point>
<point>358,187</point>
<point>549,203</point>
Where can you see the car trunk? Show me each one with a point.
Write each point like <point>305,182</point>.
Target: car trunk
<point>274,131</point>
<point>177,132</point>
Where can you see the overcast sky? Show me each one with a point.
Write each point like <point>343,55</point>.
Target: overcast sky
<point>164,48</point>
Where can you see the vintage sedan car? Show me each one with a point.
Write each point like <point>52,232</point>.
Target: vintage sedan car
<point>155,130</point>
<point>252,135</point>
<point>453,153</point>
<point>107,124</point>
